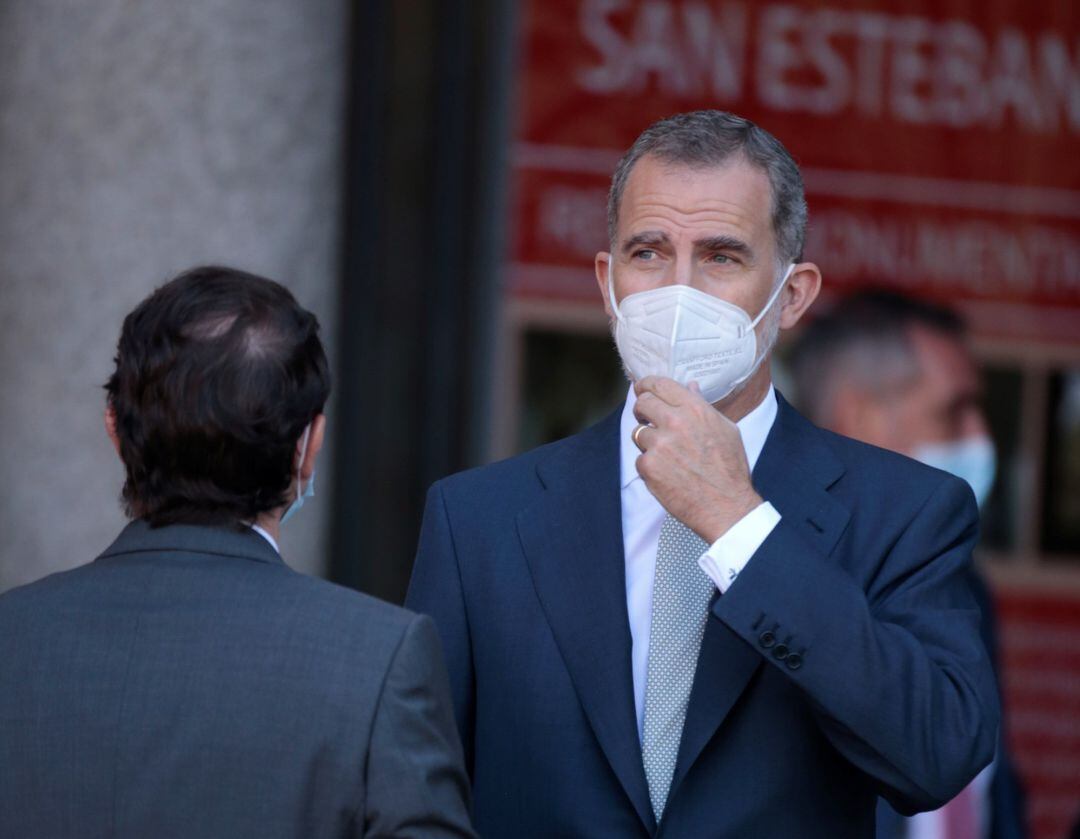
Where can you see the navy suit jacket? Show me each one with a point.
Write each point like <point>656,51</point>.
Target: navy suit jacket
<point>844,662</point>
<point>189,684</point>
<point>1007,800</point>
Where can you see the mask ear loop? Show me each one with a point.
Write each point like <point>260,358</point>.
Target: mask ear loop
<point>303,454</point>
<point>757,320</point>
<point>611,293</point>
<point>772,298</point>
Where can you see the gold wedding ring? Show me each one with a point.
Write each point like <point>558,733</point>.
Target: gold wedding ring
<point>634,434</point>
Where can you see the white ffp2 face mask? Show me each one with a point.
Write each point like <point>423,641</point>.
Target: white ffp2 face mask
<point>689,336</point>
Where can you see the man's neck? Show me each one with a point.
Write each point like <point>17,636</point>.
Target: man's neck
<point>270,521</point>
<point>743,401</point>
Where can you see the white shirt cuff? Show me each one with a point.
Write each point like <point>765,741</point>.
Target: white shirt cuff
<point>728,555</point>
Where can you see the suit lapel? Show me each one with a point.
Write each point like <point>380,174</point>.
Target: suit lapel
<point>572,539</point>
<point>794,472</point>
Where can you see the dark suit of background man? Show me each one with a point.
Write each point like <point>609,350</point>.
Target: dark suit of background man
<point>705,617</point>
<point>896,372</point>
<point>187,683</point>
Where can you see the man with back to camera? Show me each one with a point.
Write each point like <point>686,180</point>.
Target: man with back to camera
<point>187,683</point>
<point>705,617</point>
<point>896,372</point>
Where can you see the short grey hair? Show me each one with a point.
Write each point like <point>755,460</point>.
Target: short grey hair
<point>712,138</point>
<point>864,342</point>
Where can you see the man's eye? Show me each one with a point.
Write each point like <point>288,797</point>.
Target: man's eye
<point>645,253</point>
<point>720,258</point>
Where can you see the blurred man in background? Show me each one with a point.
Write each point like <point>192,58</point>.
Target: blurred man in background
<point>187,683</point>
<point>896,372</point>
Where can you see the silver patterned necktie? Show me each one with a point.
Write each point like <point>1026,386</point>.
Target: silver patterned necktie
<point>680,602</point>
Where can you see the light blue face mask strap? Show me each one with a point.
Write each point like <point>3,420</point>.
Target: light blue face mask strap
<point>772,298</point>
<point>300,466</point>
<point>303,454</point>
<point>298,502</point>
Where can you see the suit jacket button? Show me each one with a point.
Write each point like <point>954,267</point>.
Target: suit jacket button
<point>766,639</point>
<point>780,652</point>
<point>794,661</point>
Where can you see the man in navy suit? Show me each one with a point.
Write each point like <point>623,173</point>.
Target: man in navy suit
<point>187,683</point>
<point>704,616</point>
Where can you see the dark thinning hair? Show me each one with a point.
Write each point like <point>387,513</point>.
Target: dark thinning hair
<point>701,139</point>
<point>864,339</point>
<point>217,374</point>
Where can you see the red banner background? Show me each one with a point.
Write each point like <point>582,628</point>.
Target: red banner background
<point>938,142</point>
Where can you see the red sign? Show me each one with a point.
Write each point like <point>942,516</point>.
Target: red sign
<point>1040,659</point>
<point>938,141</point>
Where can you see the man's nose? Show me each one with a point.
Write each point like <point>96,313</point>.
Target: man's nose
<point>683,272</point>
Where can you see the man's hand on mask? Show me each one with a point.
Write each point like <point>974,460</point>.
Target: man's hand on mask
<point>692,460</point>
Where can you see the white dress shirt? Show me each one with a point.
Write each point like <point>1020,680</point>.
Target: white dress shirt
<point>932,824</point>
<point>642,518</point>
<point>267,537</point>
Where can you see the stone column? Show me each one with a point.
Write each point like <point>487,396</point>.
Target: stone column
<point>139,138</point>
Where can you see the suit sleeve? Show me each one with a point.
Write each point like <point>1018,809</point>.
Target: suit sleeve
<point>899,677</point>
<point>1007,797</point>
<point>416,781</point>
<point>435,589</point>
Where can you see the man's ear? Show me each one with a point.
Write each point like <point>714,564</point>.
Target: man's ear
<point>110,427</point>
<point>314,446</point>
<point>803,287</point>
<point>602,266</point>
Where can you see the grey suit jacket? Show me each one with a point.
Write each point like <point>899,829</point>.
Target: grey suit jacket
<point>189,684</point>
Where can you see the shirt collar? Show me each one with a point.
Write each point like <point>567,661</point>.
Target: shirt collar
<point>267,537</point>
<point>753,428</point>
<point>221,540</point>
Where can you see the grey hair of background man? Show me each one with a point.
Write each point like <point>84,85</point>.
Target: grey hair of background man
<point>864,341</point>
<point>701,139</point>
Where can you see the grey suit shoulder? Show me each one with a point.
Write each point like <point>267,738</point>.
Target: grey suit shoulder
<point>188,683</point>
